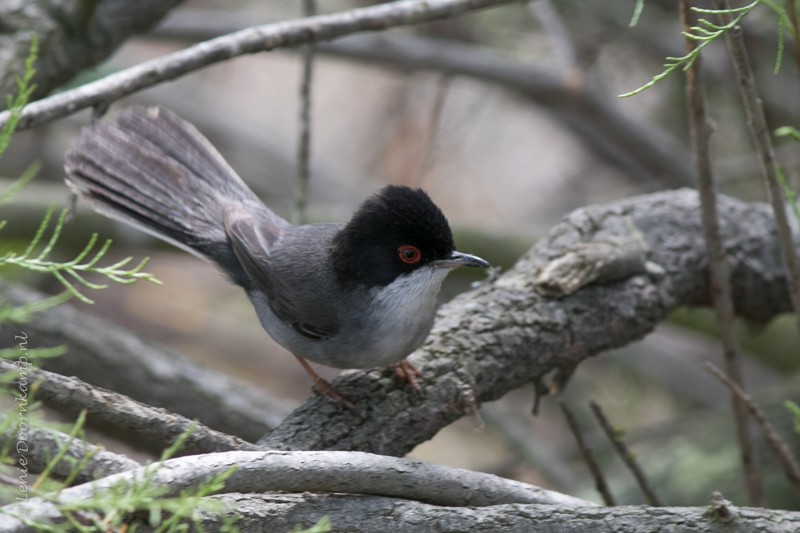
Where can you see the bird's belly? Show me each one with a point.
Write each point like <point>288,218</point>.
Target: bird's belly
<point>363,343</point>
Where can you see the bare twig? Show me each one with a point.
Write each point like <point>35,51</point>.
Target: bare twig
<point>790,466</point>
<point>41,445</point>
<point>626,455</point>
<point>304,142</point>
<point>700,131</point>
<point>247,41</point>
<point>122,412</point>
<point>586,452</point>
<point>759,130</point>
<point>791,8</point>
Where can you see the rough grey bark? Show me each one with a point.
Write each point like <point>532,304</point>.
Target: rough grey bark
<point>37,447</point>
<point>505,334</point>
<point>485,343</point>
<point>72,34</point>
<point>495,338</point>
<point>348,472</point>
<point>361,513</point>
<point>108,356</point>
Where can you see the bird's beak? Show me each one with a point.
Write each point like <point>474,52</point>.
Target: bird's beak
<point>457,259</point>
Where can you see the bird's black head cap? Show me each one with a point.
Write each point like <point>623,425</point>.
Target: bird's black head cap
<point>396,231</point>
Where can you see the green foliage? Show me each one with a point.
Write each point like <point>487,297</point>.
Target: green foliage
<point>11,354</point>
<point>637,12</point>
<point>704,34</point>
<point>791,197</point>
<point>142,501</point>
<point>23,313</point>
<point>71,272</point>
<point>19,184</point>
<point>788,131</point>
<point>323,526</point>
<point>795,410</point>
<point>127,505</point>
<point>24,92</point>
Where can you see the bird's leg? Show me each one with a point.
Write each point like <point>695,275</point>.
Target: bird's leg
<point>323,387</point>
<point>408,372</point>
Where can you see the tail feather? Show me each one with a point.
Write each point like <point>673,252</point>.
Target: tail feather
<point>182,143</point>
<point>153,170</point>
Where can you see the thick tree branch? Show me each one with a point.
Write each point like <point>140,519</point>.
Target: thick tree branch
<point>505,334</point>
<point>357,514</point>
<point>248,41</point>
<point>342,472</point>
<point>158,427</point>
<point>72,34</point>
<point>485,343</point>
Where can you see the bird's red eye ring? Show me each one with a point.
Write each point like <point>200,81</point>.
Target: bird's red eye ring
<point>409,254</point>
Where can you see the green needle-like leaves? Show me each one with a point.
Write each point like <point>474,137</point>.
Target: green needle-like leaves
<point>71,273</point>
<point>704,34</point>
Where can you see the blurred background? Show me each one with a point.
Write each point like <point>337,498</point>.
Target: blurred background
<point>510,119</point>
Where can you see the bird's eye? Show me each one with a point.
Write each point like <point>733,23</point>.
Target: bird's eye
<point>409,254</point>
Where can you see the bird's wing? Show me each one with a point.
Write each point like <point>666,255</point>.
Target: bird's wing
<point>254,242</point>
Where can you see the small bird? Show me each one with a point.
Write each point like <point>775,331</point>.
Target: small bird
<point>355,295</point>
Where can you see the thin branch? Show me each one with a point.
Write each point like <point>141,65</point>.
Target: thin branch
<point>339,472</point>
<point>360,513</point>
<point>586,452</point>
<point>626,455</point>
<point>759,130</point>
<point>122,412</point>
<point>721,292</point>
<point>791,8</point>
<point>304,142</point>
<point>248,41</point>
<point>790,466</point>
<point>41,445</point>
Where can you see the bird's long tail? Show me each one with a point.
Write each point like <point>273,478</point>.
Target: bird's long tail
<point>153,170</point>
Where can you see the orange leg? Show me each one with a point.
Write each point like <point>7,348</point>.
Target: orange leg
<point>408,372</point>
<point>323,387</point>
